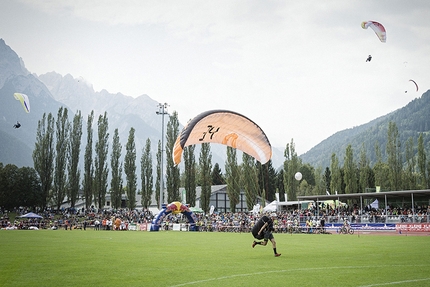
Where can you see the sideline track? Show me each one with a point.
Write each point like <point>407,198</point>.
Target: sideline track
<point>314,269</point>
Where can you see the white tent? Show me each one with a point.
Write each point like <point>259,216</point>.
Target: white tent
<point>273,206</point>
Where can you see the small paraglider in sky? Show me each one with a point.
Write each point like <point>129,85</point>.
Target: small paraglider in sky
<point>378,28</point>
<point>369,58</point>
<point>415,85</point>
<point>24,101</point>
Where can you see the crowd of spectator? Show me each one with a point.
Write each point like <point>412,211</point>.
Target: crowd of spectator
<point>122,219</point>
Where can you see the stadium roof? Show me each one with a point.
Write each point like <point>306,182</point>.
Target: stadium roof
<point>415,194</point>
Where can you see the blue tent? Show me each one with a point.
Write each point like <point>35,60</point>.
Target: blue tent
<point>31,215</point>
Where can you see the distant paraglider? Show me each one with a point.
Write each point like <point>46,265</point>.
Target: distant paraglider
<point>369,58</point>
<point>416,85</point>
<point>378,28</point>
<point>24,101</point>
<point>227,128</point>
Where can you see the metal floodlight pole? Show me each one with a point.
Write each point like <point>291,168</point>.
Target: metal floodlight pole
<point>162,111</point>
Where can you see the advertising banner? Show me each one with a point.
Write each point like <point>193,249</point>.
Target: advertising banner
<point>413,227</point>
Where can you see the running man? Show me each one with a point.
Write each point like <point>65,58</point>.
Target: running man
<point>262,230</point>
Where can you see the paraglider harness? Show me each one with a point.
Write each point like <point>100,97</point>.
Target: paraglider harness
<point>17,125</point>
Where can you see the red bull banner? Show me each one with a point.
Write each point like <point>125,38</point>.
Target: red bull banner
<point>413,227</point>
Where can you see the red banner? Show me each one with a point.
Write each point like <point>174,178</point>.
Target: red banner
<point>413,227</point>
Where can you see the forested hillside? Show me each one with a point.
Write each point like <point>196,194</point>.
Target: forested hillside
<point>411,120</point>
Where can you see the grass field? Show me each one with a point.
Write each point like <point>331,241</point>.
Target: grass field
<point>127,258</point>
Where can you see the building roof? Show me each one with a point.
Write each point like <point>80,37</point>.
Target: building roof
<point>416,194</point>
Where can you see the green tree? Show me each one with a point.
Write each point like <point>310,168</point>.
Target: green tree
<point>380,170</point>
<point>159,176</point>
<point>4,191</point>
<point>74,154</point>
<point>190,175</point>
<point>280,184</point>
<point>409,175</point>
<point>28,188</point>
<point>350,169</point>
<point>217,177</point>
<point>428,172</point>
<point>422,161</point>
<point>364,171</point>
<point>267,179</point>
<point>172,172</point>
<point>336,175</point>
<point>320,183</point>
<point>9,180</point>
<point>205,162</point>
<point>291,166</point>
<point>146,175</point>
<point>394,157</point>
<point>249,180</point>
<point>100,162</point>
<point>308,173</point>
<point>88,164</point>
<point>19,187</point>
<point>43,155</point>
<point>232,178</point>
<point>130,170</point>
<point>116,171</point>
<point>305,188</point>
<point>62,137</point>
<point>327,179</point>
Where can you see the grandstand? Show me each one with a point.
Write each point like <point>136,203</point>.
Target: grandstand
<point>390,209</point>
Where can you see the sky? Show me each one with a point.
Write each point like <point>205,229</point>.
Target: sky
<point>296,68</point>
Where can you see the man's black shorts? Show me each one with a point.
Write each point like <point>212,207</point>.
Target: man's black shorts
<point>266,235</point>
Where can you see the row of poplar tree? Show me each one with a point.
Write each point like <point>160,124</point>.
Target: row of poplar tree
<point>56,174</point>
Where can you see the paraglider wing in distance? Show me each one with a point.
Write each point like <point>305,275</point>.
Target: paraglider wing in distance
<point>24,101</point>
<point>415,84</point>
<point>378,28</point>
<point>224,127</point>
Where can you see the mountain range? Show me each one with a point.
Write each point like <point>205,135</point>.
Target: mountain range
<point>48,92</point>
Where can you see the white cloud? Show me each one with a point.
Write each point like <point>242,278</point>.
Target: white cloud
<point>297,68</point>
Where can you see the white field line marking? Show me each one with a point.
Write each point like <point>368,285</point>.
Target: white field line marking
<point>301,269</point>
<point>396,282</point>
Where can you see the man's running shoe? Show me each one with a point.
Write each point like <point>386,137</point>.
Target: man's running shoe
<point>253,244</point>
<point>277,254</point>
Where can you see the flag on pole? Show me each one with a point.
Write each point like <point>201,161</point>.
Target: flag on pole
<point>184,196</point>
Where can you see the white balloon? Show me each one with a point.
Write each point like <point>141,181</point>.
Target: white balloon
<point>298,175</point>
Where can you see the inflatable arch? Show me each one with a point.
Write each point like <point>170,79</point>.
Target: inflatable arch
<point>175,208</point>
